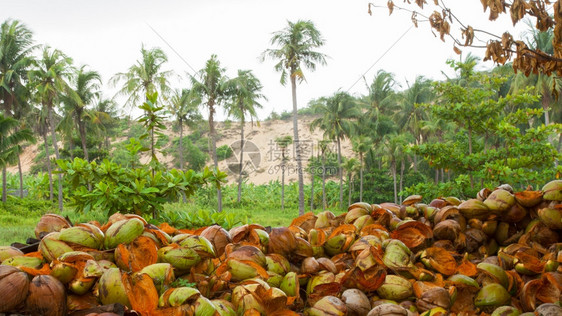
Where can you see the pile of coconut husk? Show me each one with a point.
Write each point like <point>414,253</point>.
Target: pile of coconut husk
<point>497,254</point>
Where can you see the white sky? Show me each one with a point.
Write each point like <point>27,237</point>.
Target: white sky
<point>107,36</point>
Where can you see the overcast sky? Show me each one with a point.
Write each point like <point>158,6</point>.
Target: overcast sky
<point>107,36</point>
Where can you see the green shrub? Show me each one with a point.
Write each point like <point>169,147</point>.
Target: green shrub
<point>285,116</point>
<point>224,152</point>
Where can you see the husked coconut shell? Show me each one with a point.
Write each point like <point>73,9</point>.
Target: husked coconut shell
<point>14,285</point>
<point>47,296</point>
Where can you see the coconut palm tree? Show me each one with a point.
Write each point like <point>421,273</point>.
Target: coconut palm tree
<point>16,47</point>
<point>336,120</point>
<point>50,79</point>
<point>144,77</point>
<point>350,166</point>
<point>39,122</point>
<point>295,49</point>
<point>106,118</point>
<point>283,142</point>
<point>410,116</point>
<point>85,90</point>
<point>184,106</point>
<point>245,92</point>
<point>323,147</point>
<point>11,137</point>
<point>361,145</point>
<point>435,127</point>
<point>381,97</point>
<point>210,84</point>
<point>394,145</point>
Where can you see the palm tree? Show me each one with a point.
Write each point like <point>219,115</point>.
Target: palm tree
<point>38,119</point>
<point>209,83</point>
<point>144,77</point>
<point>337,113</point>
<point>435,127</point>
<point>382,97</point>
<point>84,92</point>
<point>410,116</point>
<point>295,48</point>
<point>323,147</point>
<point>106,117</point>
<point>245,93</point>
<point>350,166</point>
<point>183,106</point>
<point>361,145</point>
<point>49,79</point>
<point>283,143</point>
<point>394,149</point>
<point>16,46</point>
<point>11,136</point>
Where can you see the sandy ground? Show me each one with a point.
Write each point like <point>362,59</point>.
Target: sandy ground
<point>262,157</point>
<point>267,167</point>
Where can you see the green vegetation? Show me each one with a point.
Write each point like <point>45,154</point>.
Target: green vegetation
<point>224,152</point>
<point>476,129</point>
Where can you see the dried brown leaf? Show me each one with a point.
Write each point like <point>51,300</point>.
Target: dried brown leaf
<point>390,5</point>
<point>457,50</point>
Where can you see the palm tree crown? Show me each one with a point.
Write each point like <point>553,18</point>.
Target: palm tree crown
<point>144,77</point>
<point>16,46</point>
<point>85,90</point>
<point>297,43</point>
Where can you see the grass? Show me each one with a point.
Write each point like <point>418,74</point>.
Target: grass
<point>260,204</point>
<point>19,217</point>
<point>17,228</point>
<point>274,217</point>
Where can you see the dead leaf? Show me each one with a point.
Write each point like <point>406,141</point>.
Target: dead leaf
<point>457,50</point>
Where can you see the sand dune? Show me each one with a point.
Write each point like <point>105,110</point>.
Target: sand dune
<point>262,157</point>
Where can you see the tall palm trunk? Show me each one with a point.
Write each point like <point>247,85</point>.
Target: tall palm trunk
<point>20,174</point>
<point>283,178</point>
<point>241,157</point>
<point>416,157</point>
<point>180,145</point>
<point>470,152</point>
<point>361,178</point>
<point>558,147</point>
<point>349,188</point>
<point>296,144</point>
<point>312,192</point>
<point>180,148</point>
<point>4,185</point>
<point>401,177</point>
<point>393,167</point>
<point>323,181</point>
<point>340,171</point>
<point>56,149</point>
<point>82,129</point>
<point>214,149</point>
<point>49,171</point>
